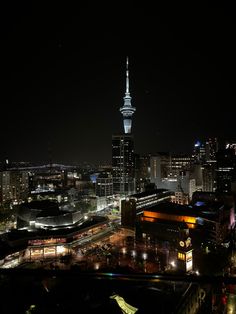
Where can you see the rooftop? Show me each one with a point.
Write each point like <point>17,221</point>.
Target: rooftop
<point>149,193</point>
<point>202,210</point>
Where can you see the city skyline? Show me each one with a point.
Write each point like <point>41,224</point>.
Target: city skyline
<point>63,80</point>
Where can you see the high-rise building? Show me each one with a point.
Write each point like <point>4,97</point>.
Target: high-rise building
<point>142,172</point>
<point>205,151</point>
<point>230,145</point>
<point>208,176</point>
<point>178,163</point>
<point>123,164</point>
<point>225,170</point>
<point>14,185</point>
<point>144,167</point>
<point>164,166</point>
<point>199,152</point>
<point>159,165</point>
<point>127,110</point>
<point>104,184</point>
<point>211,148</point>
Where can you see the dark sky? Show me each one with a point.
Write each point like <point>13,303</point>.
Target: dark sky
<point>63,77</point>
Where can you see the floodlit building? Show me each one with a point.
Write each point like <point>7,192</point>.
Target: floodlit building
<point>45,214</point>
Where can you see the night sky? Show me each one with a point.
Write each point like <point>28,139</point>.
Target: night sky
<point>63,77</point>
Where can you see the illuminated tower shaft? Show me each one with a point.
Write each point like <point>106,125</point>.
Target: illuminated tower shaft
<point>127,110</point>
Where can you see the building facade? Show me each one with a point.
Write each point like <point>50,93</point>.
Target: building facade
<point>123,164</point>
<point>104,184</point>
<point>225,170</point>
<point>14,186</point>
<point>134,204</point>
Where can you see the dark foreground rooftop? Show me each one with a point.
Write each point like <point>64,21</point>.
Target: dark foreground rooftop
<point>40,291</point>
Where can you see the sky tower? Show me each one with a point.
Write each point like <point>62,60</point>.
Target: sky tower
<point>127,110</point>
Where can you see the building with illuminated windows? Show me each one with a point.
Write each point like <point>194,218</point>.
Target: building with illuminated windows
<point>211,149</point>
<point>14,186</point>
<point>225,170</point>
<point>17,246</point>
<point>104,184</point>
<point>199,152</point>
<point>142,172</point>
<point>134,205</point>
<point>123,164</point>
<point>205,222</point>
<point>174,172</point>
<point>208,176</point>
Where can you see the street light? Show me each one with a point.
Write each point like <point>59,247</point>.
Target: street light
<point>144,255</point>
<point>123,250</point>
<point>172,263</point>
<point>133,253</point>
<point>96,266</point>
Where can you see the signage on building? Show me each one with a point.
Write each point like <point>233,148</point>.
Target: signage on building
<point>186,243</point>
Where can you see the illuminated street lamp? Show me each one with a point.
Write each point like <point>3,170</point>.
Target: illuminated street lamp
<point>123,250</point>
<point>172,263</point>
<point>133,253</point>
<point>96,266</point>
<point>144,255</point>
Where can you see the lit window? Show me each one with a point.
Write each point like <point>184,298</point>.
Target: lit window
<point>181,256</point>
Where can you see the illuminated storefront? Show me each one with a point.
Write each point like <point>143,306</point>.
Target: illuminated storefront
<point>47,251</point>
<point>51,244</point>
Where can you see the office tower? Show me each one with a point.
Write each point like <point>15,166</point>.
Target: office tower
<point>123,164</point>
<point>211,147</point>
<point>14,186</point>
<point>225,170</point>
<point>142,172</point>
<point>208,176</point>
<point>144,167</point>
<point>127,110</point>
<point>199,152</point>
<point>165,166</point>
<point>231,146</point>
<point>159,165</point>
<point>104,184</point>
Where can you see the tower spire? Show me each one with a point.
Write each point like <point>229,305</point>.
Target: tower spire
<point>127,110</point>
<point>127,76</point>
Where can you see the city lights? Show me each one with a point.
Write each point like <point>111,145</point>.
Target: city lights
<point>144,256</point>
<point>173,264</point>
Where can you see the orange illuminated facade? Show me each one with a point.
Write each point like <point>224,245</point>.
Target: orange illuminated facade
<point>152,216</point>
<point>148,219</point>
